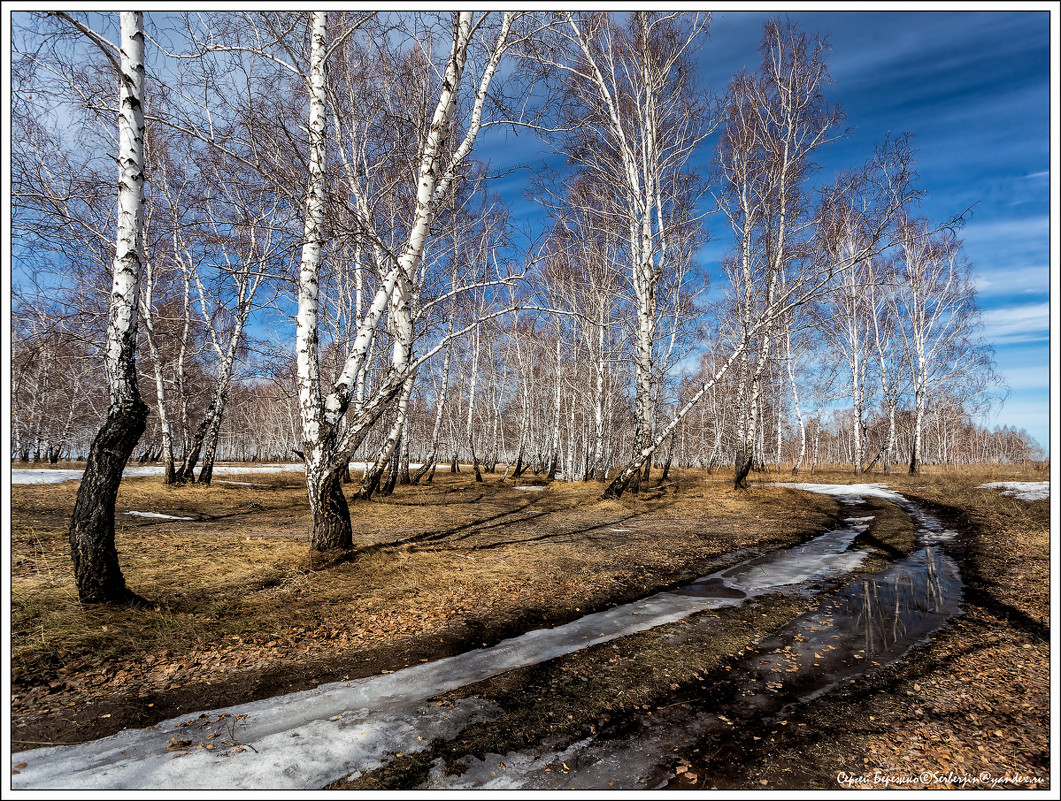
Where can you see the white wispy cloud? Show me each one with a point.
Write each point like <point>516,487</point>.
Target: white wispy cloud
<point>1027,280</point>
<point>1026,323</point>
<point>1019,229</point>
<point>1024,379</point>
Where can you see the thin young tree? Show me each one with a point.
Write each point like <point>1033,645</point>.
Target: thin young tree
<point>936,302</point>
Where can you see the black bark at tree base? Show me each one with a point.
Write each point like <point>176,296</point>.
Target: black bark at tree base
<point>332,535</point>
<point>97,574</point>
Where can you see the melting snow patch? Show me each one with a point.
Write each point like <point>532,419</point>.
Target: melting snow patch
<point>823,556</point>
<point>850,493</point>
<point>23,476</point>
<point>1024,490</point>
<point>530,488</point>
<point>157,515</point>
<point>37,476</point>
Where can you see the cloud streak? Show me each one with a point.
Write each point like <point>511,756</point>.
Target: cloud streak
<point>1010,324</point>
<point>1034,279</point>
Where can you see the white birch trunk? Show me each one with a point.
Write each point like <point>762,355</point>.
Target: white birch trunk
<point>331,519</point>
<point>96,571</point>
<point>554,446</point>
<point>795,404</point>
<point>160,384</point>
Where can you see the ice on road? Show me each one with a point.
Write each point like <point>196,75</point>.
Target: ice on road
<point>306,739</point>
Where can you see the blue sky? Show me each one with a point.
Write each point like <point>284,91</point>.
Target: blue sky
<point>974,89</point>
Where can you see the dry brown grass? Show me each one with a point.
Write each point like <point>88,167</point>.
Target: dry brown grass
<point>442,567</point>
<point>455,561</point>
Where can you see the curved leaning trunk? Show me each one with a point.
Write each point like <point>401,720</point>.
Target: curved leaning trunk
<point>97,574</point>
<point>395,466</point>
<point>213,434</point>
<point>742,465</point>
<point>206,434</point>
<point>185,474</point>
<point>332,535</point>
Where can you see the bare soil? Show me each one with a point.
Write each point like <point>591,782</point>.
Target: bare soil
<point>238,615</point>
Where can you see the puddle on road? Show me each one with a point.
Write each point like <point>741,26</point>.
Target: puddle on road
<point>869,622</point>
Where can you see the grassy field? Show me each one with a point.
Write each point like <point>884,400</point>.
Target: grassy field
<point>237,613</point>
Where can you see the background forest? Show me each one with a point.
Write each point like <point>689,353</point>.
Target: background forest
<point>435,327</point>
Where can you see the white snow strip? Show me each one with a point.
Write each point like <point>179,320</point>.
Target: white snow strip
<point>306,739</point>
<point>854,492</point>
<point>40,476</point>
<point>821,557</point>
<point>157,515</point>
<point>25,476</point>
<point>530,488</point>
<point>1024,490</point>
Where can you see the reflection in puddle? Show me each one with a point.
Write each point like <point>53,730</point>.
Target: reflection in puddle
<point>871,621</point>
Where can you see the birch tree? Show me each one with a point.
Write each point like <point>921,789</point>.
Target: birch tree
<point>775,121</point>
<point>642,119</point>
<point>788,237</point>
<point>440,157</point>
<point>852,329</point>
<point>886,351</point>
<point>244,242</point>
<point>936,302</point>
<point>96,571</point>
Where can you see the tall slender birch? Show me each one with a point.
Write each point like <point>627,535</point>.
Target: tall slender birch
<point>642,119</point>
<point>936,302</point>
<point>328,437</point>
<point>96,572</point>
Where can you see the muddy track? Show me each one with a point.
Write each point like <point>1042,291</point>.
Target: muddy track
<point>869,621</point>
<point>367,720</point>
